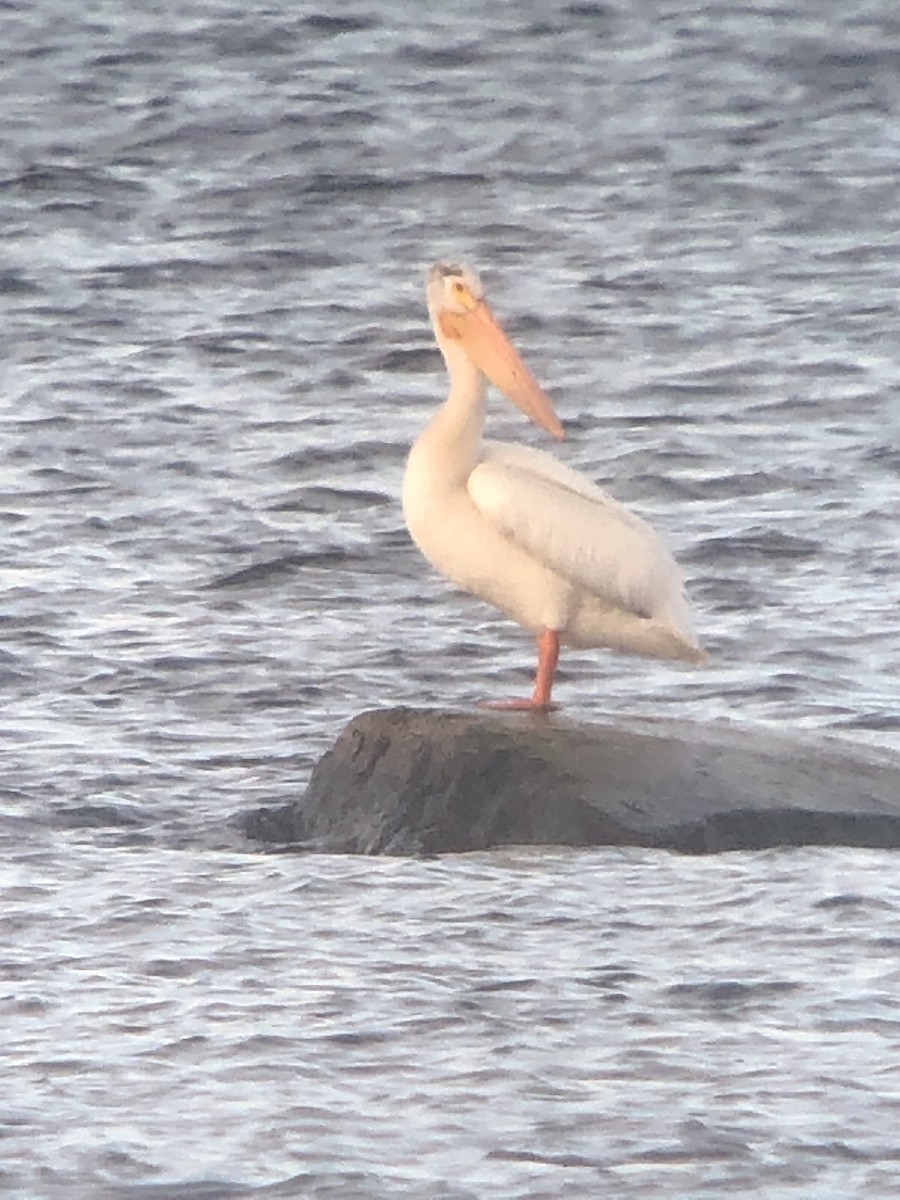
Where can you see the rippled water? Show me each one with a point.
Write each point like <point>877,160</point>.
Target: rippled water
<point>514,1024</point>
<point>214,223</point>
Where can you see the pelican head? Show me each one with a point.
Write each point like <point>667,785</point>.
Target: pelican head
<point>452,287</point>
<point>462,318</point>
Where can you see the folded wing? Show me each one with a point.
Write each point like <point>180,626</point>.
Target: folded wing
<point>578,530</point>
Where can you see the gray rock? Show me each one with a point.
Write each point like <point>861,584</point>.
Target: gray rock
<point>410,781</point>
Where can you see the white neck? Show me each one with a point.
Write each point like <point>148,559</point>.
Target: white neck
<point>460,419</point>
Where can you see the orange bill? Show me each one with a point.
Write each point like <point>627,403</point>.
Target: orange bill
<point>490,349</point>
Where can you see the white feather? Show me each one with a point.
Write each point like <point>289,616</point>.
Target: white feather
<point>578,530</point>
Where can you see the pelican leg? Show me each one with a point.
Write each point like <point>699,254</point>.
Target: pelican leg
<point>548,657</point>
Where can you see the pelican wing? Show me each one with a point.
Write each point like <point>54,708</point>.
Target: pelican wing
<point>578,530</point>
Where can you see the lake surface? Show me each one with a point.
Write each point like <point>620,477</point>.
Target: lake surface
<point>214,228</point>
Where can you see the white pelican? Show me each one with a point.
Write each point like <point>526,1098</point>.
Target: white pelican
<point>516,527</point>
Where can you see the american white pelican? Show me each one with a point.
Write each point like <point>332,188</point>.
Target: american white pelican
<point>516,527</point>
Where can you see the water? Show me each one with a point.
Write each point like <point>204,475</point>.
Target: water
<point>540,1023</point>
<point>214,226</point>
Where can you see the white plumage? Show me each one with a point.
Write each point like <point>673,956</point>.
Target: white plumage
<point>517,527</point>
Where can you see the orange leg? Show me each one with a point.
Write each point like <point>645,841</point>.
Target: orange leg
<point>548,657</point>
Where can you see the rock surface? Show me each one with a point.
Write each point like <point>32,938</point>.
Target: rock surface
<point>410,781</point>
